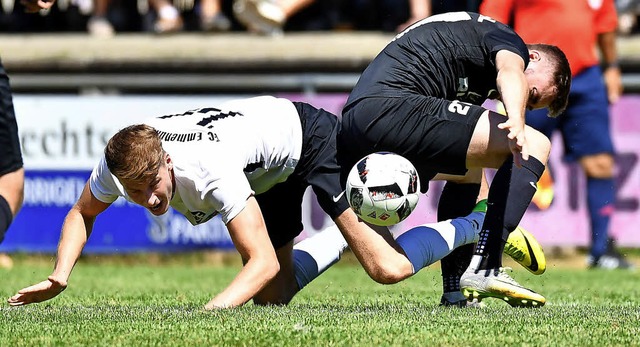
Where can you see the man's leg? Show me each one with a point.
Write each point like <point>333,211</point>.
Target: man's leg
<point>302,263</point>
<point>11,197</point>
<point>512,187</point>
<point>423,245</point>
<point>281,289</point>
<point>600,199</point>
<point>486,276</point>
<point>601,205</point>
<point>11,170</point>
<point>509,196</point>
<point>428,243</point>
<point>510,193</point>
<point>456,200</point>
<point>308,259</point>
<point>585,127</point>
<point>315,254</point>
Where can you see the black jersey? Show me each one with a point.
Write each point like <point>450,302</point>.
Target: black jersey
<point>449,56</point>
<point>10,154</point>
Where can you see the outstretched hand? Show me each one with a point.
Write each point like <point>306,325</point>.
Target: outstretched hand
<point>42,291</point>
<point>517,140</point>
<point>32,6</point>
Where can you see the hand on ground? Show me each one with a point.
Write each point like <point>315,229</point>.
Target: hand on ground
<point>42,291</point>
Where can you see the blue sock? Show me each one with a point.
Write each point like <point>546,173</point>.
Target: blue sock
<point>313,255</point>
<point>306,268</point>
<point>600,201</point>
<point>426,244</point>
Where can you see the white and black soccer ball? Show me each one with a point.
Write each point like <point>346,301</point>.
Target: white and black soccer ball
<point>383,188</point>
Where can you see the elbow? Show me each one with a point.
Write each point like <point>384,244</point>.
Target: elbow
<point>389,273</point>
<point>271,270</point>
<point>268,270</point>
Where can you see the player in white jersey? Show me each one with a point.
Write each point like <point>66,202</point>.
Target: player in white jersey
<point>250,160</point>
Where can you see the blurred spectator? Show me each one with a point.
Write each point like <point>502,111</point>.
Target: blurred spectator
<point>64,16</point>
<point>578,28</point>
<point>211,16</point>
<point>366,15</point>
<point>98,25</point>
<point>103,18</point>
<point>418,9</point>
<point>628,11</point>
<point>386,15</point>
<point>167,17</point>
<point>267,16</point>
<point>395,16</point>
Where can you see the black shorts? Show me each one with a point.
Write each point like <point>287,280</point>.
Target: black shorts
<point>10,154</point>
<point>318,167</point>
<point>433,133</point>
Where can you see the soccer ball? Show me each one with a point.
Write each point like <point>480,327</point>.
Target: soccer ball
<point>383,188</point>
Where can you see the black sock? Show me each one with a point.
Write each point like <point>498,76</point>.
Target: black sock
<point>510,194</point>
<point>457,200</point>
<point>5,217</point>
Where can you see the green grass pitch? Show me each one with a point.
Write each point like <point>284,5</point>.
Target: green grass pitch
<point>138,303</point>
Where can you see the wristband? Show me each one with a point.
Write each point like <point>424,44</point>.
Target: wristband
<point>613,64</point>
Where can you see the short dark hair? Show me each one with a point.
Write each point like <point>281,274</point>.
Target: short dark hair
<point>562,76</point>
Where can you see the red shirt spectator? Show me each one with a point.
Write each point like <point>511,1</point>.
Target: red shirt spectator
<point>576,34</point>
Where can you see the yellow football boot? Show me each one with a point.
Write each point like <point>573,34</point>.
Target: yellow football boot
<point>526,251</point>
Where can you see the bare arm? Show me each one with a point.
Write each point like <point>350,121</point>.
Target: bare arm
<point>75,232</point>
<point>249,235</point>
<point>612,75</point>
<point>420,9</point>
<point>513,88</point>
<point>32,6</point>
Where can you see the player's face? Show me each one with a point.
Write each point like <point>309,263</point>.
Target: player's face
<point>154,194</point>
<point>539,76</point>
<point>541,92</point>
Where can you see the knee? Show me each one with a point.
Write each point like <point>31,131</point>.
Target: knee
<point>539,145</point>
<point>598,165</point>
<point>12,189</point>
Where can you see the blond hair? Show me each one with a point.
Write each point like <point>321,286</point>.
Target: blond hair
<point>135,153</point>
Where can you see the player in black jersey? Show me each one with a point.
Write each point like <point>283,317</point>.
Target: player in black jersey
<point>421,98</point>
<point>11,170</point>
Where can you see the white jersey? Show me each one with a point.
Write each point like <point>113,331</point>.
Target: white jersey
<point>221,155</point>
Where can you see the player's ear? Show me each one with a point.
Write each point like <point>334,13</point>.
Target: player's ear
<point>168,161</point>
<point>534,55</point>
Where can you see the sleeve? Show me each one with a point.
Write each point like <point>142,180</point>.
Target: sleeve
<point>103,184</point>
<point>606,18</point>
<point>501,37</point>
<point>227,193</point>
<point>500,10</point>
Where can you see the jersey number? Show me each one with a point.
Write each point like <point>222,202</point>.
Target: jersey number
<point>459,107</point>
